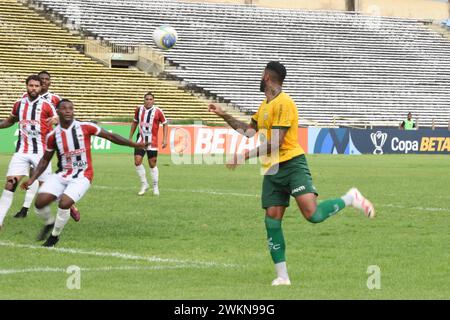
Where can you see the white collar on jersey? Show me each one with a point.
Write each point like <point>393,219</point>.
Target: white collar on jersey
<point>70,127</point>
<point>153,107</point>
<point>34,101</point>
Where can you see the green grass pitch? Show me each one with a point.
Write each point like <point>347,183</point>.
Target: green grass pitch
<point>204,237</point>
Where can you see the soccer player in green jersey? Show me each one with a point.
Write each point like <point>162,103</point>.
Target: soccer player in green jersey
<point>285,166</point>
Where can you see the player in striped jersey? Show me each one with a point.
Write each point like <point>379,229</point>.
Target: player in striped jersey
<point>33,114</point>
<point>53,99</point>
<point>71,140</point>
<point>148,117</point>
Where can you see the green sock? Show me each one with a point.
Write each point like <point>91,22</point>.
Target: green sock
<point>275,239</point>
<point>327,209</point>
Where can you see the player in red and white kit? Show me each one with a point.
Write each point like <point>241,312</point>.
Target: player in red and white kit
<point>71,139</point>
<point>53,99</point>
<point>34,117</point>
<point>148,118</point>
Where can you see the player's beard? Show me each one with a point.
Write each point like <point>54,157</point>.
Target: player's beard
<point>33,95</point>
<point>262,86</point>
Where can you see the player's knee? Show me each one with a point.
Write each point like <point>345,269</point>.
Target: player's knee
<point>11,184</point>
<point>65,204</point>
<point>39,203</point>
<point>313,218</point>
<point>309,214</point>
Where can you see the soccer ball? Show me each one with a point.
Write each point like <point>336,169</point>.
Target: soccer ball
<point>165,37</point>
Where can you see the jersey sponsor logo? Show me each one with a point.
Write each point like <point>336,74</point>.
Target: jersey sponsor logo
<point>30,133</point>
<point>81,164</point>
<point>25,122</point>
<point>75,152</point>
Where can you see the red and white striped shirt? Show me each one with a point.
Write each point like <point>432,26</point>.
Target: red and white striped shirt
<point>73,146</point>
<point>149,120</point>
<point>50,97</point>
<point>33,125</point>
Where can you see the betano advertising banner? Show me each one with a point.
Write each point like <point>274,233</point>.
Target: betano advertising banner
<point>182,140</point>
<point>386,141</point>
<point>221,140</point>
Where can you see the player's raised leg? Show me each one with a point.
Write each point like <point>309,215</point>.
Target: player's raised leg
<point>62,217</point>
<point>42,206</point>
<point>74,191</point>
<point>316,213</point>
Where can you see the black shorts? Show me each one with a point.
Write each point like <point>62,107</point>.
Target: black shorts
<point>150,153</point>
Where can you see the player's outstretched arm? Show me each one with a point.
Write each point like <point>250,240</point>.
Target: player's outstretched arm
<point>246,129</point>
<point>42,165</point>
<point>8,122</point>
<point>117,139</point>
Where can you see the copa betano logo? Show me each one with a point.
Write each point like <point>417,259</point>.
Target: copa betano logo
<point>435,144</point>
<point>421,144</point>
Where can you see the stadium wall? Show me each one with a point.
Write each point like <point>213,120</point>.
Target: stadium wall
<point>416,9</point>
<point>201,140</point>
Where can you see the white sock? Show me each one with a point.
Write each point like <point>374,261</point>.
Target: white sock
<point>46,215</point>
<point>30,194</point>
<point>348,199</point>
<point>141,173</point>
<point>281,269</point>
<point>155,176</point>
<point>62,216</point>
<point>5,203</point>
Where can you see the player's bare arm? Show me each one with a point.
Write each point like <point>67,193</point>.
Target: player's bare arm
<point>117,139</point>
<point>262,150</point>
<point>42,165</point>
<point>134,125</point>
<point>246,129</point>
<point>165,133</point>
<point>8,122</point>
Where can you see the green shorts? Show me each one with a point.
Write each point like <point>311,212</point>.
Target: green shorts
<point>292,178</point>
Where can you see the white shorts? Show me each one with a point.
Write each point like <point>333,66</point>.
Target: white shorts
<point>20,165</point>
<point>73,188</point>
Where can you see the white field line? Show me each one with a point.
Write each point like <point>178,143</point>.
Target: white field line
<point>100,269</point>
<point>120,255</point>
<point>414,208</point>
<point>256,196</point>
<point>219,193</point>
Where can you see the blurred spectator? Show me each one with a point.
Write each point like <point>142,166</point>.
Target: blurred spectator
<point>408,124</point>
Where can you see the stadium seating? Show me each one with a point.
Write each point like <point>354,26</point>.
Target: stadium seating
<point>30,43</point>
<point>343,65</point>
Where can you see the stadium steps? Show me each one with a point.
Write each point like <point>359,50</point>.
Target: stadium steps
<point>30,43</point>
<point>339,64</point>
